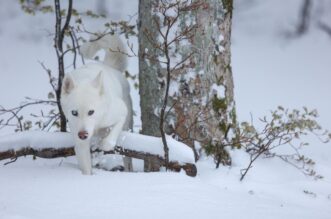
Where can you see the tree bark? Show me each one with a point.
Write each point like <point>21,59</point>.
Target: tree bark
<point>203,107</point>
<point>206,108</point>
<point>149,69</point>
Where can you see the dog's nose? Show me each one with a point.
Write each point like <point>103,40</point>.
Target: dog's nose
<point>83,135</point>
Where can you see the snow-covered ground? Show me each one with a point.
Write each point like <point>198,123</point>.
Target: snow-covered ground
<point>269,70</point>
<point>55,189</point>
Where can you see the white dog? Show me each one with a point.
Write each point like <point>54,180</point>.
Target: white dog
<point>96,99</point>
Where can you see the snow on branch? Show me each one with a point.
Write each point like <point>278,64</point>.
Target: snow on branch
<point>59,144</point>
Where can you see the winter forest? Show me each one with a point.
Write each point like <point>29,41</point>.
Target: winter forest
<point>165,109</point>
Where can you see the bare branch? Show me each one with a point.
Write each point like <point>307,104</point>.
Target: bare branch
<point>304,17</point>
<point>324,27</point>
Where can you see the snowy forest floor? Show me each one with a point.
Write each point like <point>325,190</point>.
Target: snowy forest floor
<point>269,70</point>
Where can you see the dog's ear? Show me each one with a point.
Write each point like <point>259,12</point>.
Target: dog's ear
<point>98,82</point>
<point>68,85</point>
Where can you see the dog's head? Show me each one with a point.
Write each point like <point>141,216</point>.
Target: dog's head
<point>82,105</point>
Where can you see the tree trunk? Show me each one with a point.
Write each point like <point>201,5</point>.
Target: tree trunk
<point>201,99</point>
<point>149,69</point>
<point>206,109</point>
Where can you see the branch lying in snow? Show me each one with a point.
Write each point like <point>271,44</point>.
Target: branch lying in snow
<point>43,144</point>
<point>43,153</point>
<point>189,168</point>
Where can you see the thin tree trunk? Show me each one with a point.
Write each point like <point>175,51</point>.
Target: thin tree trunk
<point>149,70</point>
<point>58,44</point>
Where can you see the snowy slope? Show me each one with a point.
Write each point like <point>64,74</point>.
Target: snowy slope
<point>268,71</point>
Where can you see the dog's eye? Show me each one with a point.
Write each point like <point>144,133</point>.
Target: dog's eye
<point>90,112</point>
<point>74,113</point>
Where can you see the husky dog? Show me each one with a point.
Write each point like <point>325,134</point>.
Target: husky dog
<point>96,99</point>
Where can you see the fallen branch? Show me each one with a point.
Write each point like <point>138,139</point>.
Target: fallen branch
<point>43,153</point>
<point>189,168</point>
<point>48,153</point>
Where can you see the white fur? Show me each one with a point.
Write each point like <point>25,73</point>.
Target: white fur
<point>115,51</point>
<point>100,88</point>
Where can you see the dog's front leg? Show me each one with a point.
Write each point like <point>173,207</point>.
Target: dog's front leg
<point>83,155</point>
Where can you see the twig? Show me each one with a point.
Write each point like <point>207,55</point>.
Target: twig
<point>324,27</point>
<point>49,73</point>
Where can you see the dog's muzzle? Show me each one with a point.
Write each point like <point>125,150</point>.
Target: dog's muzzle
<point>83,135</point>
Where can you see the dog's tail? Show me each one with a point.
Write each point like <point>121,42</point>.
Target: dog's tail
<point>115,56</point>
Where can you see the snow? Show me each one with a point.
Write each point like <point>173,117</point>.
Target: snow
<point>269,70</point>
<point>219,90</point>
<point>35,188</point>
<point>36,140</point>
<point>177,150</point>
<point>173,88</point>
<point>137,142</point>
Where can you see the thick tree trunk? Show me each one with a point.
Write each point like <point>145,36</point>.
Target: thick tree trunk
<point>202,99</point>
<point>206,109</point>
